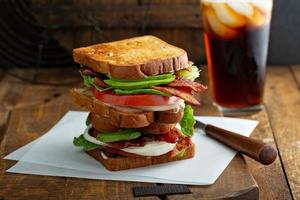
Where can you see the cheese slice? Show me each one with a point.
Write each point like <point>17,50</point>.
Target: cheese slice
<point>152,148</point>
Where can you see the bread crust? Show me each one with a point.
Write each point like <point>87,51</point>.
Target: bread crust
<point>169,116</point>
<point>85,99</point>
<point>103,124</point>
<point>158,128</point>
<point>122,163</point>
<point>131,120</point>
<point>134,58</point>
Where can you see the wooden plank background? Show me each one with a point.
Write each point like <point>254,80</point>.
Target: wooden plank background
<point>87,22</point>
<point>84,22</point>
<point>177,21</point>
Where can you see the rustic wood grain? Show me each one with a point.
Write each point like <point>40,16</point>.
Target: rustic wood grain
<point>282,99</point>
<point>111,20</point>
<point>234,183</point>
<point>4,114</point>
<point>29,121</point>
<point>15,93</point>
<point>4,118</point>
<point>87,2</point>
<point>23,128</point>
<point>79,16</point>
<point>270,179</point>
<point>170,2</point>
<point>296,73</point>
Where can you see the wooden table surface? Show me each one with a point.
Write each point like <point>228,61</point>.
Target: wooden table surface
<point>28,110</point>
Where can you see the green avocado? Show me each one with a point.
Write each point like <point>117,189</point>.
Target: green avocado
<point>141,91</point>
<point>140,84</point>
<point>126,134</point>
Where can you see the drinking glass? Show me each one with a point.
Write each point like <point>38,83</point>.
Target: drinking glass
<point>236,35</point>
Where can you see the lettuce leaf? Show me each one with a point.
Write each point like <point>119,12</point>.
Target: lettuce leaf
<point>187,123</point>
<point>86,145</point>
<point>89,82</point>
<point>190,73</point>
<point>88,121</point>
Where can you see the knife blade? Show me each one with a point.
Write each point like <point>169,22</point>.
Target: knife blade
<point>253,148</point>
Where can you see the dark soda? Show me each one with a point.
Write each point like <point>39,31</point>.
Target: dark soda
<point>236,52</point>
<point>237,67</point>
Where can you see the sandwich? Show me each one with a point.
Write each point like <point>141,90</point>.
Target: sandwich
<point>139,93</point>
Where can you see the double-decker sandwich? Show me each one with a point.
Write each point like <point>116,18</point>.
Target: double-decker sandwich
<point>137,91</point>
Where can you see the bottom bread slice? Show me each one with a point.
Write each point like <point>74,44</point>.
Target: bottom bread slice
<point>121,163</point>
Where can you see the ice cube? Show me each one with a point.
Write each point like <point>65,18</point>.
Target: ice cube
<point>217,26</point>
<point>227,16</point>
<point>258,19</point>
<point>241,7</point>
<point>263,5</point>
<point>205,2</point>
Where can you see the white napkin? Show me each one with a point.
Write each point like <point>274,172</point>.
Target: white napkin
<point>53,154</point>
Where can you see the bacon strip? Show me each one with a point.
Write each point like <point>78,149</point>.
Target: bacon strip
<point>176,92</point>
<point>100,82</point>
<point>183,144</point>
<point>172,136</point>
<point>98,78</point>
<point>182,82</point>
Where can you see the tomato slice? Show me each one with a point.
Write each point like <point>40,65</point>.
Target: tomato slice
<point>133,100</point>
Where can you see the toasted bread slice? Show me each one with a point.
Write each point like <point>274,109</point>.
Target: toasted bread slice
<point>134,58</point>
<point>169,116</point>
<point>121,163</point>
<point>85,99</point>
<point>103,124</point>
<point>158,128</point>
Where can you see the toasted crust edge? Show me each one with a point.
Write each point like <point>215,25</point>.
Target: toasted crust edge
<point>134,71</point>
<point>169,117</point>
<point>122,163</point>
<point>158,128</point>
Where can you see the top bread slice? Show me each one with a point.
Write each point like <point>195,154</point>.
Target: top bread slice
<point>134,58</point>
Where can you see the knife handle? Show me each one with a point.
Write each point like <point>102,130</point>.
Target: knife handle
<point>255,149</point>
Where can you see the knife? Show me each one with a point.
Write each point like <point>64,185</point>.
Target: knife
<point>255,149</point>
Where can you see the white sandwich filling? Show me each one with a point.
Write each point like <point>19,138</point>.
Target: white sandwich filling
<point>177,105</point>
<point>91,139</point>
<point>152,148</point>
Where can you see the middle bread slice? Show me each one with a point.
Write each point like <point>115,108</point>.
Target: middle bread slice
<point>123,117</point>
<point>103,124</point>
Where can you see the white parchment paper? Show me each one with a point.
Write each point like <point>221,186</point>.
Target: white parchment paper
<point>53,154</point>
